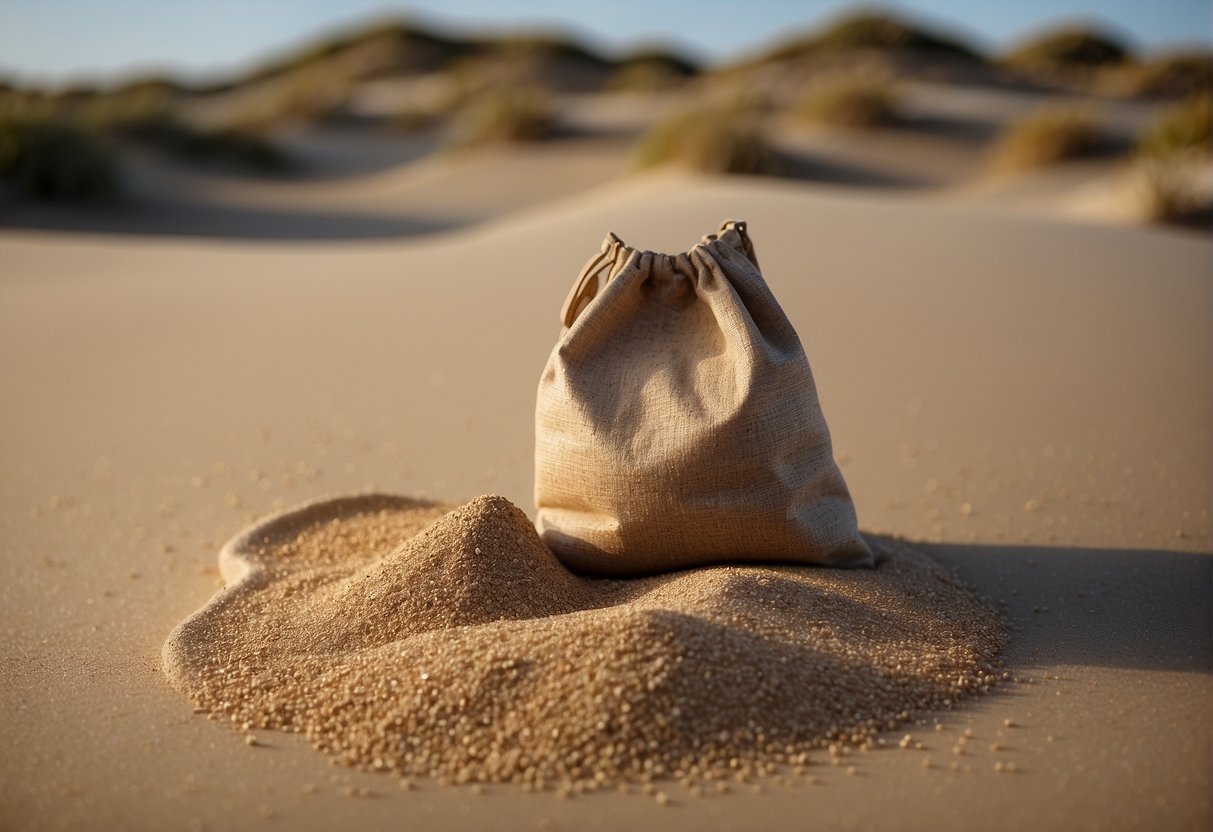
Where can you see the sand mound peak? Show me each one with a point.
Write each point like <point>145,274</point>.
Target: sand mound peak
<point>485,542</point>
<point>479,563</point>
<point>427,641</point>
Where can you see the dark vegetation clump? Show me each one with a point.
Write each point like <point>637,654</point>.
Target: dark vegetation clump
<point>49,158</point>
<point>710,141</point>
<point>1069,48</point>
<point>859,102</point>
<point>878,32</point>
<point>1051,136</point>
<point>1168,159</point>
<point>511,116</point>
<point>650,70</point>
<point>1176,75</point>
<point>221,146</point>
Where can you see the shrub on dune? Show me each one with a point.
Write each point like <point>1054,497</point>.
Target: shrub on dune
<point>67,147</point>
<point>644,77</point>
<point>53,159</point>
<point>1048,137</point>
<point>112,111</point>
<point>877,31</point>
<point>851,102</point>
<point>1177,74</point>
<point>145,116</point>
<point>225,146</point>
<point>1168,158</point>
<point>652,70</point>
<point>32,105</point>
<point>711,141</point>
<point>412,119</point>
<point>505,117</point>
<point>1181,129</point>
<point>444,103</point>
<point>307,96</point>
<point>1068,48</point>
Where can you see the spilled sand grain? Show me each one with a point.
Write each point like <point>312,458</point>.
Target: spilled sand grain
<point>404,636</point>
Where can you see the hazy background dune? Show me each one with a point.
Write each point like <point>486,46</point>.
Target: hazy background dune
<point>395,129</point>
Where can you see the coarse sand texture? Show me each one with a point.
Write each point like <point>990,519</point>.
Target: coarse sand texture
<point>406,636</point>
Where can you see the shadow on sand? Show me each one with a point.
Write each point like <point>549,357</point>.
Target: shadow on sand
<point>1130,608</point>
<point>217,220</point>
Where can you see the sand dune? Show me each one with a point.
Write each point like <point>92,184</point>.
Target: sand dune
<point>362,181</point>
<point>1031,398</point>
<point>405,197</point>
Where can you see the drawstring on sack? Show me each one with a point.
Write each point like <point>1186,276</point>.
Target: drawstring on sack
<point>746,245</point>
<point>589,282</point>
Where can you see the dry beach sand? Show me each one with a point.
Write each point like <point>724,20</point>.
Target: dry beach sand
<point>1028,399</point>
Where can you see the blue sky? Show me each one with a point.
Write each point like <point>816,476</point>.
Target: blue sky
<point>61,40</point>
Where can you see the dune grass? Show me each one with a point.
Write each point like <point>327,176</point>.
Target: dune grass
<point>651,70</point>
<point>545,44</point>
<point>48,158</point>
<point>875,31</point>
<point>305,96</point>
<point>1050,136</point>
<point>218,146</point>
<point>1099,61</point>
<point>1169,155</point>
<point>365,52</point>
<point>1177,74</point>
<point>69,146</point>
<point>645,77</point>
<point>415,119</point>
<point>1070,47</point>
<point>868,30</point>
<point>1183,128</point>
<point>147,114</point>
<point>148,117</point>
<point>858,102</point>
<point>508,116</point>
<point>110,112</point>
<point>710,141</point>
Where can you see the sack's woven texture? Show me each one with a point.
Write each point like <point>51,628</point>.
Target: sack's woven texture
<point>677,421</point>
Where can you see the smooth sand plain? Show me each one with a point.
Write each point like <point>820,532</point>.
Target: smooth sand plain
<point>1031,398</point>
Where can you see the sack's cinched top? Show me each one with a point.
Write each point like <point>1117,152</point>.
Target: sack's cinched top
<point>677,422</point>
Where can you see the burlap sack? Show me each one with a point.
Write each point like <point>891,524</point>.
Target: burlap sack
<point>678,424</point>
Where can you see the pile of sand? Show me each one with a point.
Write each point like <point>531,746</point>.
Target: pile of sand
<point>399,635</point>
